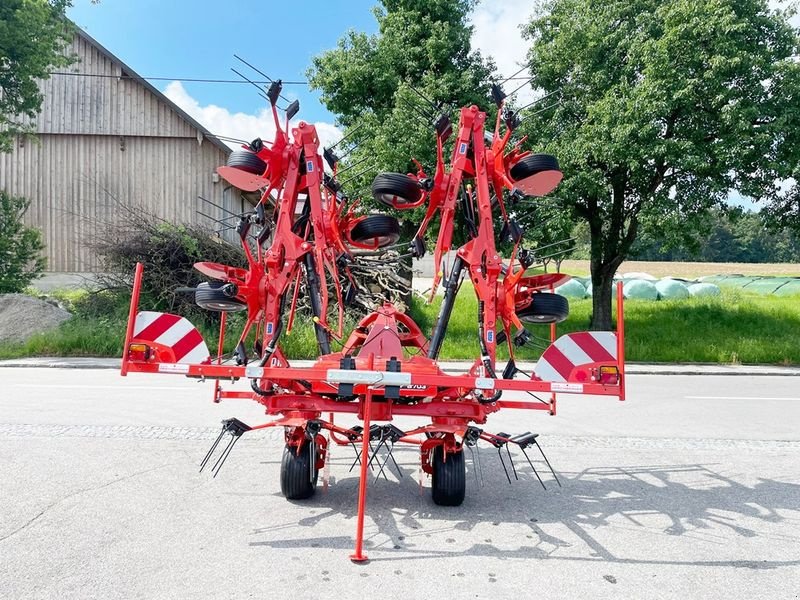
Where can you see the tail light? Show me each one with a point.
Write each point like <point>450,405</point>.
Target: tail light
<point>138,352</point>
<point>609,375</point>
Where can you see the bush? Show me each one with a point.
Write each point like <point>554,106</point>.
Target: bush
<point>20,246</point>
<point>168,253</point>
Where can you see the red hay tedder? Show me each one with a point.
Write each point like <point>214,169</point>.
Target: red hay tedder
<point>387,366</point>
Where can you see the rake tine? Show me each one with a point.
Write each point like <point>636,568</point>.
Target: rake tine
<point>502,462</point>
<point>474,466</point>
<point>548,463</point>
<point>511,460</point>
<point>224,456</point>
<point>534,468</point>
<point>358,457</point>
<point>210,452</point>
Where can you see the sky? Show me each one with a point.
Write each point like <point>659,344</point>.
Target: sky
<point>198,39</point>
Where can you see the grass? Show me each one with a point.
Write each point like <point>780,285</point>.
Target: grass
<point>736,327</point>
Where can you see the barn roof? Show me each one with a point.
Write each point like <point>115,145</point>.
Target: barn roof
<point>131,74</point>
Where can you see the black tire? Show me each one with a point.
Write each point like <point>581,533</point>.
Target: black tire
<point>247,161</point>
<point>210,296</point>
<point>388,186</point>
<point>545,308</point>
<point>382,230</point>
<point>533,164</point>
<point>449,477</point>
<point>297,482</point>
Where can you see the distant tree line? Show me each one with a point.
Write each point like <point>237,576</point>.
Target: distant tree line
<point>728,234</point>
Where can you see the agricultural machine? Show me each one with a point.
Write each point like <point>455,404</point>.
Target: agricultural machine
<point>304,229</point>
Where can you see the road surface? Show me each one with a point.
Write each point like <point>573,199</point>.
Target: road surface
<point>689,489</point>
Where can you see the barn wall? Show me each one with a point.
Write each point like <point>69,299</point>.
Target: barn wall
<point>106,141</point>
<point>75,182</point>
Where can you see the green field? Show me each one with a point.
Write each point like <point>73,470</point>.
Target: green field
<point>736,327</point>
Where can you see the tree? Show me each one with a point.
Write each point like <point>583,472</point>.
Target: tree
<point>20,246</point>
<point>664,106</point>
<point>366,81</point>
<point>33,35</point>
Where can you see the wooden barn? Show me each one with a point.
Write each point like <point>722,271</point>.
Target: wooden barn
<point>105,137</point>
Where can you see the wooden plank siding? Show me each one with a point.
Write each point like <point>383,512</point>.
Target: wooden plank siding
<point>102,141</point>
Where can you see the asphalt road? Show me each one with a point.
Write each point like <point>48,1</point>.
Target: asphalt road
<point>689,489</point>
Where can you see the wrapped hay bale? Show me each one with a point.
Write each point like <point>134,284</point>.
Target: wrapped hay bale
<point>571,289</point>
<point>670,289</point>
<point>640,290</point>
<point>704,289</point>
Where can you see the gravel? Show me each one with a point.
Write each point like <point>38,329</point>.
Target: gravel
<point>22,316</point>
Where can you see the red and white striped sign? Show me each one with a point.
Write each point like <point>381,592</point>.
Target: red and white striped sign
<point>174,332</point>
<point>574,350</point>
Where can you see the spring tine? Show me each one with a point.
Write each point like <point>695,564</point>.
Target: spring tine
<point>502,462</point>
<point>211,451</point>
<point>396,466</point>
<point>480,464</point>
<point>312,461</point>
<point>226,454</point>
<point>385,462</point>
<point>534,468</point>
<point>357,461</point>
<point>511,460</point>
<point>548,463</point>
<point>474,467</point>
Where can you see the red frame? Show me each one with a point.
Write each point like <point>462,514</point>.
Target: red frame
<point>294,396</point>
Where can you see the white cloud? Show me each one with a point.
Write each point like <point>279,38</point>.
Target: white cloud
<point>497,34</point>
<point>220,121</point>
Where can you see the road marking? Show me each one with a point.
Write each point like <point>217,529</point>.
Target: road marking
<point>739,398</point>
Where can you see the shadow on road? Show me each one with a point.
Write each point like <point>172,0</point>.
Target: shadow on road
<point>664,502</point>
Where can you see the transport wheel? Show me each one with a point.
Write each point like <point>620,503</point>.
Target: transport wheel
<point>297,482</point>
<point>533,164</point>
<point>210,296</point>
<point>390,187</point>
<point>449,477</point>
<point>247,161</point>
<point>545,308</point>
<point>376,230</point>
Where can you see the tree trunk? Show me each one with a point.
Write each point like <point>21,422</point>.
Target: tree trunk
<point>602,283</point>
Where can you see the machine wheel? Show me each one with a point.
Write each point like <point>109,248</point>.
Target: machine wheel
<point>387,187</point>
<point>449,477</point>
<point>533,164</point>
<point>297,482</point>
<point>378,230</point>
<point>247,161</point>
<point>210,296</point>
<point>545,308</point>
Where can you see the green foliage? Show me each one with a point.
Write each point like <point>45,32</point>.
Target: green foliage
<point>732,328</point>
<point>664,107</point>
<point>33,35</point>
<point>727,235</point>
<point>365,81</point>
<point>20,246</point>
<point>168,253</point>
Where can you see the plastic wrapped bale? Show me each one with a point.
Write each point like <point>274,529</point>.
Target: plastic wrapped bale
<point>670,289</point>
<point>589,289</point>
<point>571,289</point>
<point>639,275</point>
<point>791,288</point>
<point>704,289</point>
<point>640,290</point>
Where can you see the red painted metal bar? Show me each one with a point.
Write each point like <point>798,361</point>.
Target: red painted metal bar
<point>621,340</point>
<point>358,555</point>
<point>552,408</point>
<point>222,320</point>
<point>137,284</point>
